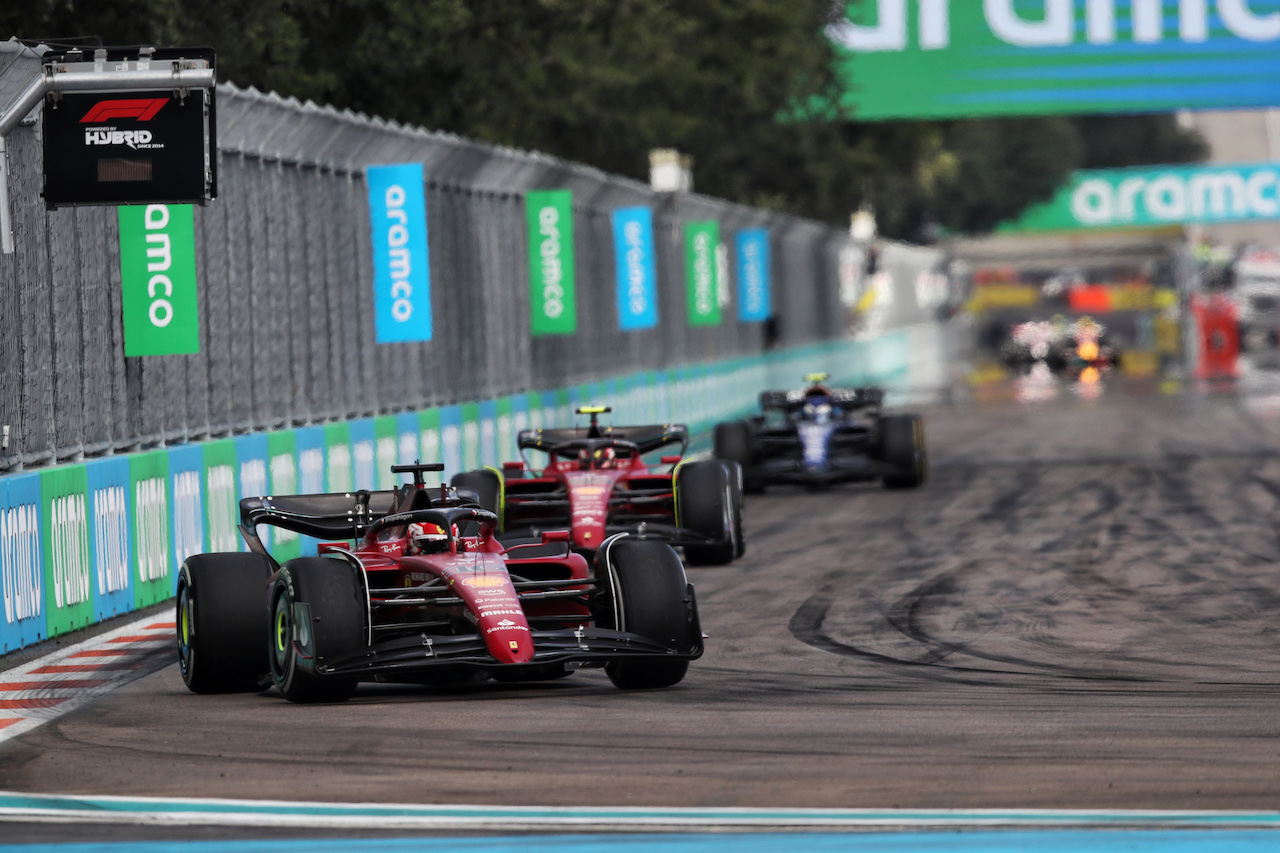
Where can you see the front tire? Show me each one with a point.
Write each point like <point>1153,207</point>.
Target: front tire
<point>651,598</point>
<point>223,622</point>
<point>902,445</point>
<point>704,505</point>
<point>317,616</point>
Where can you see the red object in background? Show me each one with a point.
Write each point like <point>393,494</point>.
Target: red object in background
<point>1090,299</point>
<point>1219,329</point>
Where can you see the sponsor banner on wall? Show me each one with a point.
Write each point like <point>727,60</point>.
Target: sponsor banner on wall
<point>451,441</point>
<point>68,574</point>
<point>702,278</point>
<point>470,436</point>
<point>386,452</point>
<point>253,478</point>
<point>408,445</point>
<point>637,272</point>
<point>285,478</point>
<point>430,443</point>
<point>109,557</point>
<point>21,564</point>
<point>941,59</point>
<point>401,264</point>
<point>1158,196</point>
<point>551,268</point>
<point>487,415</point>
<point>222,502</point>
<point>158,274</point>
<point>754,281</point>
<point>362,451</point>
<point>186,491</point>
<point>149,505</point>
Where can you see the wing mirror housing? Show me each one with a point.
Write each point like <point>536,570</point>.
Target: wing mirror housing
<point>512,466</point>
<point>671,460</point>
<point>549,536</point>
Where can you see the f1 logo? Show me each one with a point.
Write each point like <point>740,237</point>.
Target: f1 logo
<point>141,109</point>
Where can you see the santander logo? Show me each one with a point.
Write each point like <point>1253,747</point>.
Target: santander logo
<point>142,109</point>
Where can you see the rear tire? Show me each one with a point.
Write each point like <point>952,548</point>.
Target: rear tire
<point>704,505</point>
<point>650,598</point>
<point>317,616</point>
<point>733,444</point>
<point>902,445</point>
<point>223,622</point>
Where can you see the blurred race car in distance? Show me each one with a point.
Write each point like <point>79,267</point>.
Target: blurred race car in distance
<point>596,483</point>
<point>425,594</point>
<point>1060,344</point>
<point>820,436</point>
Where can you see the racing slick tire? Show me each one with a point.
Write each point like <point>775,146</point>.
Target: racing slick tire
<point>487,486</point>
<point>650,597</point>
<point>736,478</point>
<point>317,604</point>
<point>732,443</point>
<point>222,622</point>
<point>902,445</point>
<point>705,505</point>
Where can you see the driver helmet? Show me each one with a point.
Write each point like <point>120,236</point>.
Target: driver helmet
<point>584,459</point>
<point>426,539</point>
<point>605,457</point>
<point>818,409</point>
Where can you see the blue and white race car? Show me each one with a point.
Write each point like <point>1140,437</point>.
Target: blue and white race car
<point>819,436</point>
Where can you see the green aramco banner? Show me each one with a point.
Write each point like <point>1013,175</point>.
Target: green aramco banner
<point>158,271</point>
<point>1155,196</point>
<point>702,272</point>
<point>948,58</point>
<point>550,216</point>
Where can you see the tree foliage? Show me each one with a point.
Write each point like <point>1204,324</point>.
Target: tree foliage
<point>605,81</point>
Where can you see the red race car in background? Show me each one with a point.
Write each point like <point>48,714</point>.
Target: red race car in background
<point>596,484</point>
<point>425,593</point>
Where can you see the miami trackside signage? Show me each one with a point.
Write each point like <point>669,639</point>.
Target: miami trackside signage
<point>946,58</point>
<point>754,302</point>
<point>158,271</point>
<point>1152,197</point>
<point>551,296</point>
<point>401,266</point>
<point>637,277</point>
<point>702,273</point>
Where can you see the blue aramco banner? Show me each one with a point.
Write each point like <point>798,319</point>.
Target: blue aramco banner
<point>401,267</point>
<point>637,281</point>
<point>753,275</point>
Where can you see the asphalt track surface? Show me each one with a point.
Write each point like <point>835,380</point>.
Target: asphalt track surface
<point>1079,610</point>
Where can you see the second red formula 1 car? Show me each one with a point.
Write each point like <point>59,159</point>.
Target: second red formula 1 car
<point>596,483</point>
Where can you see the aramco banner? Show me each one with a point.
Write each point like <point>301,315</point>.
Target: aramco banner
<point>1155,196</point>
<point>158,273</point>
<point>702,273</point>
<point>941,59</point>
<point>637,279</point>
<point>753,274</point>
<point>550,216</point>
<point>401,266</point>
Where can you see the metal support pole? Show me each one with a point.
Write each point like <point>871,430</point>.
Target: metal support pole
<point>6,219</point>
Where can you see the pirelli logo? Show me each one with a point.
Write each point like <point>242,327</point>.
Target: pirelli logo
<point>140,109</point>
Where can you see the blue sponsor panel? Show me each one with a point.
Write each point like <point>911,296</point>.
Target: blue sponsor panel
<point>364,455</point>
<point>253,462</point>
<point>754,275</point>
<point>401,266</point>
<point>637,277</point>
<point>312,472</point>
<point>451,440</point>
<point>21,568</point>
<point>186,518</point>
<point>109,554</point>
<point>489,434</point>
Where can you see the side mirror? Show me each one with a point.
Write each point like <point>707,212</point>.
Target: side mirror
<point>671,460</point>
<point>512,466</point>
<point>549,536</point>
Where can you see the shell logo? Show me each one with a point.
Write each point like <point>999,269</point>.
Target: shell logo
<point>484,581</point>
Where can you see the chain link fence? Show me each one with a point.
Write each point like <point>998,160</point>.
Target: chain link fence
<point>286,307</point>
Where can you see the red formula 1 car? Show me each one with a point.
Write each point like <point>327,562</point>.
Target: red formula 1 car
<point>597,485</point>
<point>426,593</point>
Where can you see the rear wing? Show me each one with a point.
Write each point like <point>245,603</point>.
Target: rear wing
<point>849,398</point>
<point>646,437</point>
<point>324,516</point>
